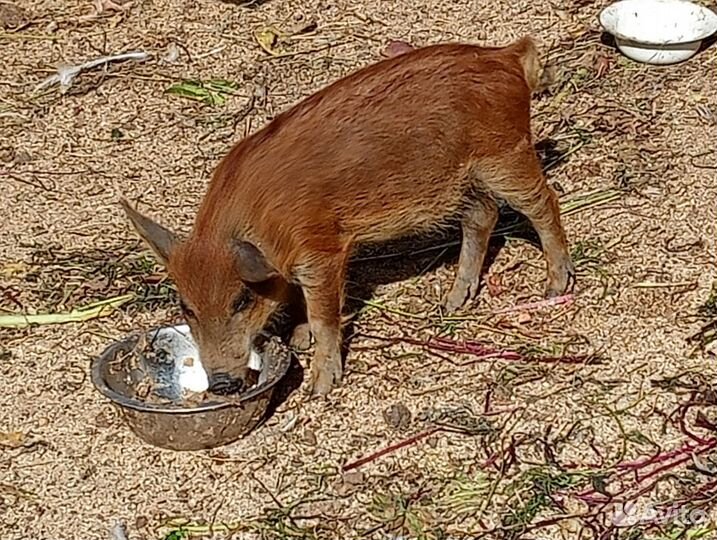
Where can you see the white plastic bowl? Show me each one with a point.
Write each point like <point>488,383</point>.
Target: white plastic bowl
<point>658,31</point>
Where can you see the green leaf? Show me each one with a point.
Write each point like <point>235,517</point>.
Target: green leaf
<point>212,92</point>
<point>177,534</point>
<point>92,311</point>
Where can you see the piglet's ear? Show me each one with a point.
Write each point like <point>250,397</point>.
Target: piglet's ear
<point>161,240</point>
<point>251,263</point>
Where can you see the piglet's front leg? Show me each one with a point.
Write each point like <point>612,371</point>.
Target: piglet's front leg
<point>322,285</point>
<point>326,366</point>
<point>301,332</point>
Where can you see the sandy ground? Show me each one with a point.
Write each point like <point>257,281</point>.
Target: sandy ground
<point>646,257</point>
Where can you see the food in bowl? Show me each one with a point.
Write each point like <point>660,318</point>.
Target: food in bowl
<point>155,381</point>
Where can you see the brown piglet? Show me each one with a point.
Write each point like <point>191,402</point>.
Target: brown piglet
<point>431,137</point>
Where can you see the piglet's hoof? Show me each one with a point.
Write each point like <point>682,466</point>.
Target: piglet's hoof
<point>326,379</point>
<point>563,283</point>
<point>452,304</point>
<point>459,294</point>
<point>301,337</point>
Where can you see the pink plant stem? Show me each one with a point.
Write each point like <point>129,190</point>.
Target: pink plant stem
<point>480,351</point>
<point>468,349</point>
<point>626,468</point>
<point>401,444</point>
<point>484,353</point>
<point>592,498</point>
<point>680,461</point>
<point>659,458</point>
<point>500,453</point>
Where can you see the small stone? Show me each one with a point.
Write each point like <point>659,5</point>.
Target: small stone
<point>22,157</point>
<point>12,16</point>
<point>397,416</point>
<point>220,455</point>
<point>118,531</point>
<point>103,421</point>
<point>88,473</point>
<point>309,437</point>
<point>354,478</point>
<point>349,483</point>
<point>172,54</point>
<point>140,522</point>
<point>7,154</point>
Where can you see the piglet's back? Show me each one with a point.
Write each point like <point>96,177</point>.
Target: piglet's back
<point>383,152</point>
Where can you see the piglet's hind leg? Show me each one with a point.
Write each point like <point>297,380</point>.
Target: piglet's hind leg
<point>477,225</point>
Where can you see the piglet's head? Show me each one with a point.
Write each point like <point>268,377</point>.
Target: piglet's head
<point>228,292</point>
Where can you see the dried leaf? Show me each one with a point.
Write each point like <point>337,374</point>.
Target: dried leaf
<point>268,39</point>
<point>12,439</point>
<point>348,483</point>
<point>397,416</point>
<point>599,484</point>
<point>13,269</point>
<point>602,65</point>
<point>103,6</point>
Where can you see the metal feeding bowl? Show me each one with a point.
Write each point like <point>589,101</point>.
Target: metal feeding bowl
<point>148,378</point>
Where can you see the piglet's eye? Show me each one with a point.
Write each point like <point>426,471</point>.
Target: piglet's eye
<point>186,310</point>
<point>242,301</point>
